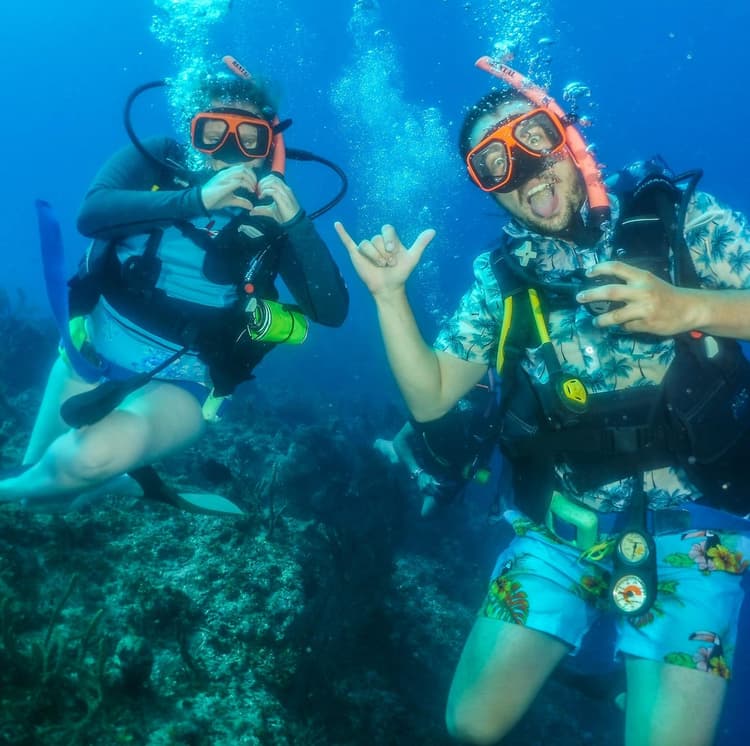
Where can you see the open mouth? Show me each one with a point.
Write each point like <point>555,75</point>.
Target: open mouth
<point>543,200</point>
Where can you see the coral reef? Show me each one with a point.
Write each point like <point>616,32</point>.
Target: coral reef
<point>330,614</point>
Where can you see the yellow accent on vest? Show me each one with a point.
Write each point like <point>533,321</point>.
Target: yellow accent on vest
<point>536,309</point>
<point>574,390</point>
<point>210,408</point>
<point>504,329</point>
<point>78,336</point>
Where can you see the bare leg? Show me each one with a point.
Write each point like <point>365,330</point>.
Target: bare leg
<point>501,670</point>
<point>48,426</point>
<point>150,424</point>
<point>670,705</point>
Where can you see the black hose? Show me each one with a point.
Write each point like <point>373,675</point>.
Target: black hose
<point>294,153</point>
<point>305,155</point>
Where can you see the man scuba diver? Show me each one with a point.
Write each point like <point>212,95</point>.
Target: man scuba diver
<point>612,312</point>
<point>175,302</point>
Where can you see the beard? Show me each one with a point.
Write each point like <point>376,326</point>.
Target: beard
<point>568,188</point>
<point>565,222</point>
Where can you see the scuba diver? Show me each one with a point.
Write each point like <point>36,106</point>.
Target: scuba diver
<point>175,302</point>
<point>612,313</point>
<point>444,456</point>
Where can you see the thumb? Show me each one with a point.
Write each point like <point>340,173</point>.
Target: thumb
<point>421,243</point>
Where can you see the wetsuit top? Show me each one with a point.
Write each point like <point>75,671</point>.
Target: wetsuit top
<point>123,207</point>
<point>605,360</point>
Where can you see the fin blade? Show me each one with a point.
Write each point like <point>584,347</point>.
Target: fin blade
<point>207,503</point>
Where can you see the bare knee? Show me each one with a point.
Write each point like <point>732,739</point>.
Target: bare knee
<point>91,457</point>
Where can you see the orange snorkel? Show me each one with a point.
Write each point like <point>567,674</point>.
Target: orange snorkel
<point>599,205</point>
<point>278,159</point>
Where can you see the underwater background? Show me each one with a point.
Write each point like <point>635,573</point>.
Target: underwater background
<point>333,614</point>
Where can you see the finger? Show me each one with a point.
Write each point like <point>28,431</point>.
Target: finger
<point>281,200</point>
<point>391,240</point>
<point>235,201</point>
<point>345,238</point>
<point>273,182</point>
<point>367,249</point>
<point>619,316</point>
<point>379,244</point>
<point>266,191</point>
<point>613,292</point>
<point>249,180</point>
<point>623,271</point>
<point>272,179</point>
<point>635,326</point>
<point>267,211</point>
<point>422,242</point>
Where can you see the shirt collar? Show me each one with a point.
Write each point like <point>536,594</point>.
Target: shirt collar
<point>515,229</point>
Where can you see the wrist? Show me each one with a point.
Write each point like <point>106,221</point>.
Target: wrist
<point>391,297</point>
<point>296,218</point>
<point>697,310</point>
<point>202,199</point>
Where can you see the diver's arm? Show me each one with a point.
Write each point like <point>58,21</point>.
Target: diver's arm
<point>403,449</point>
<point>430,381</point>
<point>724,313</point>
<point>710,223</point>
<point>131,195</point>
<point>718,240</point>
<point>308,269</point>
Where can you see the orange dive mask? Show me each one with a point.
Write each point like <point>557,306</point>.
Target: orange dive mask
<point>515,150</point>
<point>232,135</point>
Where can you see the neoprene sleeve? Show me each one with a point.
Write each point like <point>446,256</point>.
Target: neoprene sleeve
<point>120,201</point>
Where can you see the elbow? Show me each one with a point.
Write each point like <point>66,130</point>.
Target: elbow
<point>333,312</point>
<point>338,313</point>
<point>94,217</point>
<point>86,223</point>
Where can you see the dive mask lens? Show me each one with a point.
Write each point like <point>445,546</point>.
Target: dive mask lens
<point>538,133</point>
<point>489,164</point>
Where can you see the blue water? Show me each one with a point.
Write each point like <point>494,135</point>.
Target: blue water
<point>380,89</point>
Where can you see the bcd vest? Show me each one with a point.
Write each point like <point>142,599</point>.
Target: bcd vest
<point>698,418</point>
<point>204,315</point>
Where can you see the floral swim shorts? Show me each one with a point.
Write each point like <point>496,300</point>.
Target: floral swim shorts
<point>547,585</point>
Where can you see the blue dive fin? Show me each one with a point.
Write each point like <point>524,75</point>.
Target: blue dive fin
<point>53,262</point>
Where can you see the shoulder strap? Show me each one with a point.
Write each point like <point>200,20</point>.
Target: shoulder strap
<point>140,273</point>
<point>516,328</point>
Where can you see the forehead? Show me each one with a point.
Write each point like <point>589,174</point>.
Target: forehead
<point>250,108</point>
<point>487,121</point>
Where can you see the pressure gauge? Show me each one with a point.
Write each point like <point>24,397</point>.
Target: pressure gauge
<point>631,595</point>
<point>634,548</point>
<point>633,584</point>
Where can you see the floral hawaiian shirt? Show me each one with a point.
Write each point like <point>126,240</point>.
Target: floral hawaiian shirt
<point>604,359</point>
